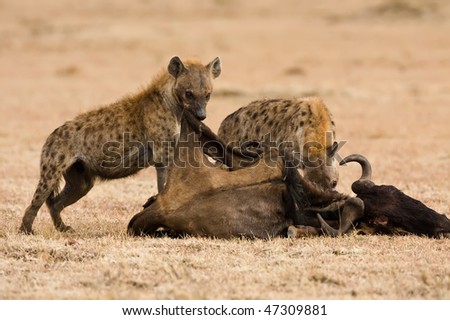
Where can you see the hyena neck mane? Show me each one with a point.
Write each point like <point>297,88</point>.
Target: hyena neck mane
<point>158,92</point>
<point>318,132</point>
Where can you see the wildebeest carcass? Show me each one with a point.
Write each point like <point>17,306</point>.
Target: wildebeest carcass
<point>202,199</point>
<point>384,209</point>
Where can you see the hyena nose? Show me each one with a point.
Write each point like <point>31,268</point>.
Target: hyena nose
<point>199,110</point>
<point>200,114</point>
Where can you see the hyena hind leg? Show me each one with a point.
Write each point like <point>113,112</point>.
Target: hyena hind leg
<point>78,182</point>
<point>44,190</point>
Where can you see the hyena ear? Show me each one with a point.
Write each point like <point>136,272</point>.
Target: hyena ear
<point>176,67</point>
<point>215,67</point>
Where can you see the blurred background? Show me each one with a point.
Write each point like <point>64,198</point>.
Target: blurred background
<point>382,67</point>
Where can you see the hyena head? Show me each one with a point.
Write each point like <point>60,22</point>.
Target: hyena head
<point>193,84</point>
<point>324,171</point>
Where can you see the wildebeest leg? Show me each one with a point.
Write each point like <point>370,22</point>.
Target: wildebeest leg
<point>353,210</point>
<point>78,183</point>
<point>146,222</point>
<point>296,200</point>
<point>161,176</point>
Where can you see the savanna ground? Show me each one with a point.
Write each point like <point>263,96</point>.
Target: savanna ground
<point>383,68</point>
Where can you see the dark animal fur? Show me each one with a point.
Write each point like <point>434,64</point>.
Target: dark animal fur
<point>208,201</point>
<point>388,210</point>
<point>385,209</point>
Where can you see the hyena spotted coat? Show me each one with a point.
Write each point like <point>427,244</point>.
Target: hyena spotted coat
<point>119,139</point>
<point>302,129</point>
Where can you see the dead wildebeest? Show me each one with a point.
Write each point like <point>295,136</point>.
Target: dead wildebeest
<point>202,199</point>
<point>384,209</point>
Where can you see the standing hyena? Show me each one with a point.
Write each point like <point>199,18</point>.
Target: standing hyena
<point>302,129</point>
<point>119,139</point>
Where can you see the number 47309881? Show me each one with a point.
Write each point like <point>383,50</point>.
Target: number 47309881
<point>306,310</point>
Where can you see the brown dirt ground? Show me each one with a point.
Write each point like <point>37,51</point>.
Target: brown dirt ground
<point>381,66</point>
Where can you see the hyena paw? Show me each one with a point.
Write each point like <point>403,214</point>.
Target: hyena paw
<point>25,229</point>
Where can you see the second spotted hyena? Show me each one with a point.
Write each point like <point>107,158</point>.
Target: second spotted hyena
<point>302,129</point>
<point>119,139</point>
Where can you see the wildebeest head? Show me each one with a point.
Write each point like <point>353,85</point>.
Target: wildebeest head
<point>386,209</point>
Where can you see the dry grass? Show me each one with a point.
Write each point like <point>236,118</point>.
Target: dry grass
<point>109,265</point>
<point>382,67</point>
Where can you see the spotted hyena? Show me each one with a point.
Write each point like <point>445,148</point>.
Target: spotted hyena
<point>303,129</point>
<point>119,139</point>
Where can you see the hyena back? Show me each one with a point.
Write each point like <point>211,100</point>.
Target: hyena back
<point>119,139</point>
<point>302,129</point>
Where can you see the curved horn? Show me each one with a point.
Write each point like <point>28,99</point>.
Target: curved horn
<point>353,210</point>
<point>365,165</point>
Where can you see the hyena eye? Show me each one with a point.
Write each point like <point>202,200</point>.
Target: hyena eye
<point>208,95</point>
<point>189,95</point>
